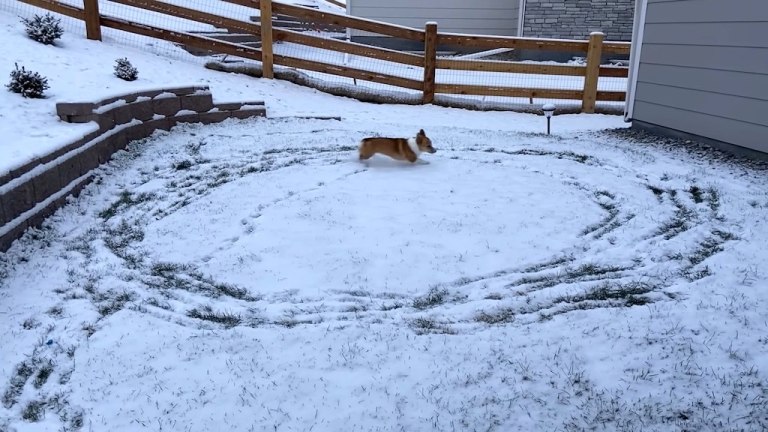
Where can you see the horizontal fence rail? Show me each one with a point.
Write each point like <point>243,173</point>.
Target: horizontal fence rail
<point>411,70</point>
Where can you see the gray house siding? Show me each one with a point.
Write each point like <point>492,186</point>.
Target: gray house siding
<point>576,19</point>
<point>703,70</point>
<point>494,17</point>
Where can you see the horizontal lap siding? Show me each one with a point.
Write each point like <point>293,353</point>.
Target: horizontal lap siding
<point>494,17</point>
<point>704,69</point>
<point>731,131</point>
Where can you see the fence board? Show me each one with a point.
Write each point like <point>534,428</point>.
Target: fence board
<point>340,20</point>
<point>348,21</point>
<point>193,15</point>
<point>348,47</point>
<point>493,42</point>
<point>337,3</point>
<point>508,91</point>
<point>60,8</point>
<point>183,38</point>
<point>348,72</point>
<point>622,48</point>
<point>510,67</point>
<point>611,96</point>
<point>614,72</point>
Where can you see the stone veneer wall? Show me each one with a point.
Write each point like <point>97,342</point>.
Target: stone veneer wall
<point>32,192</point>
<point>576,19</point>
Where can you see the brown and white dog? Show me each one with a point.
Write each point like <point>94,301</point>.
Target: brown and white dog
<point>404,149</point>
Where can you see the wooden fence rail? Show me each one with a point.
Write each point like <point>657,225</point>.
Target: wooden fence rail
<point>429,38</point>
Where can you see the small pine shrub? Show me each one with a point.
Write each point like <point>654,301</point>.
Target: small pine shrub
<point>27,83</point>
<point>125,70</point>
<point>44,29</point>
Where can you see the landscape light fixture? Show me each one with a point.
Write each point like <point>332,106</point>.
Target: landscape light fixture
<point>548,109</point>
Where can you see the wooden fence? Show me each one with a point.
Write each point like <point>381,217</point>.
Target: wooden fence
<point>429,38</point>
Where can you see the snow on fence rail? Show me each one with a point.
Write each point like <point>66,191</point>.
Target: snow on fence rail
<point>422,71</point>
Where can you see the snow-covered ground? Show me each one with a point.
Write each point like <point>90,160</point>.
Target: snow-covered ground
<point>253,275</point>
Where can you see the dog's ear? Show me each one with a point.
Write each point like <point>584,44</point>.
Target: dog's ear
<point>421,132</point>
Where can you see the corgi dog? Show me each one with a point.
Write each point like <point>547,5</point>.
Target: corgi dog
<point>404,149</point>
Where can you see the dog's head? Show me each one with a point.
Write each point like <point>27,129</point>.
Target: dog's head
<point>424,143</point>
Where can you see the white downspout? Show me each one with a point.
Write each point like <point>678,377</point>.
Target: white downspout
<point>634,57</point>
<point>520,18</point>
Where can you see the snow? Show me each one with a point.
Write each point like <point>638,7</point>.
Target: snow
<point>254,275</point>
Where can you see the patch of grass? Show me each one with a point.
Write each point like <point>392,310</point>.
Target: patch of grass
<point>548,264</point>
<point>55,311</point>
<point>713,199</point>
<point>233,291</point>
<point>433,298</point>
<point>76,421</point>
<point>656,191</point>
<point>183,165</point>
<point>355,309</point>
<point>576,157</point>
<point>354,293</point>
<point>162,269</point>
<point>293,322</point>
<point>21,375</point>
<point>222,177</point>
<point>391,306</point>
<point>89,329</point>
<point>613,213</point>
<point>605,193</point>
<point>65,377</point>
<point>501,316</point>
<point>696,194</point>
<point>34,411</point>
<point>591,269</point>
<point>185,277</point>
<point>30,323</point>
<point>162,304</point>
<point>43,373</point>
<point>706,249</point>
<point>631,293</point>
<point>679,223</point>
<point>585,272</point>
<point>125,199</point>
<point>120,237</point>
<point>692,275</point>
<point>206,313</point>
<point>494,296</point>
<point>115,302</point>
<point>424,326</point>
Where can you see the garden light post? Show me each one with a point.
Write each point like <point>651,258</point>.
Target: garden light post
<point>548,109</point>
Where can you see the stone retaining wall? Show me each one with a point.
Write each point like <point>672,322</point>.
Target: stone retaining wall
<point>576,19</point>
<point>32,192</point>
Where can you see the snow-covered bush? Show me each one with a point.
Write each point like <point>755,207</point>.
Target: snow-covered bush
<point>44,29</point>
<point>125,70</point>
<point>27,83</point>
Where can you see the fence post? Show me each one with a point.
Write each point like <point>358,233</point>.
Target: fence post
<point>267,59</point>
<point>430,62</point>
<point>92,20</point>
<point>594,54</point>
